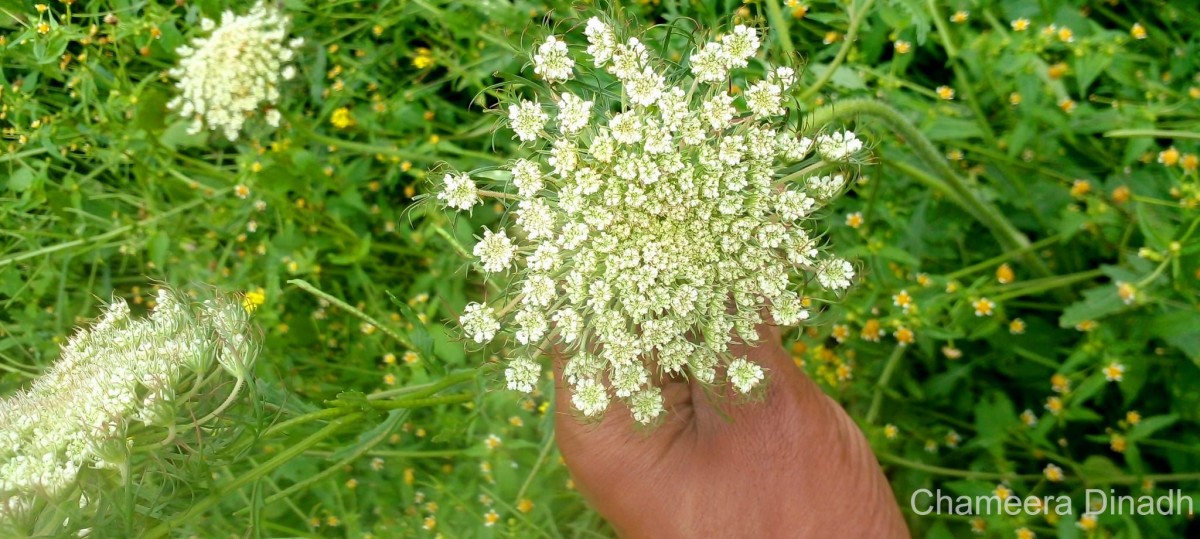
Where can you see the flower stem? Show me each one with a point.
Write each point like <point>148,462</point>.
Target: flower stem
<point>308,287</point>
<point>851,34</point>
<point>888,369</point>
<point>1009,237</point>
<point>423,402</point>
<point>240,481</point>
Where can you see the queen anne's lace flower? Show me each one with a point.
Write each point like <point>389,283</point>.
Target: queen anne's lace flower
<point>553,61</point>
<point>838,146</point>
<point>496,251</point>
<point>235,71</point>
<point>479,323</point>
<point>123,375</point>
<point>656,225</point>
<point>459,192</point>
<point>527,119</point>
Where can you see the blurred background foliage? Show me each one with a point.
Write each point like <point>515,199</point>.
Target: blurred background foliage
<point>1048,314</point>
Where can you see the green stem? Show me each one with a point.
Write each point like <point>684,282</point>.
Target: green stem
<point>856,19</point>
<point>888,369</point>
<point>240,481</point>
<point>1038,286</point>
<point>780,24</point>
<point>389,425</point>
<point>416,392</point>
<point>424,402</point>
<point>308,287</point>
<point>327,413</point>
<point>1156,133</point>
<point>1009,237</point>
<point>1006,256</point>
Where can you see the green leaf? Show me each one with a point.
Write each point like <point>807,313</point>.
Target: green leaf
<point>1098,469</point>
<point>1096,304</point>
<point>1180,329</point>
<point>1150,425</point>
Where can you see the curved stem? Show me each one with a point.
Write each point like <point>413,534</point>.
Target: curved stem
<point>252,475</point>
<point>851,34</point>
<point>237,388</point>
<point>888,369</point>
<point>1006,234</point>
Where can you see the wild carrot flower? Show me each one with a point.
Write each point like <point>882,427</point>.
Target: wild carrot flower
<point>651,226</point>
<point>119,382</point>
<point>235,71</point>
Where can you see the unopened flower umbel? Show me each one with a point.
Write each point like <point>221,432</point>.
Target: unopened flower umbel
<point>654,220</point>
<point>234,73</point>
<point>121,383</point>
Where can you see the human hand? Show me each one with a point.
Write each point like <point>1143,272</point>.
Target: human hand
<point>791,465</point>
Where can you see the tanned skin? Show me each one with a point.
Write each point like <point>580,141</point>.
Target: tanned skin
<point>791,465</point>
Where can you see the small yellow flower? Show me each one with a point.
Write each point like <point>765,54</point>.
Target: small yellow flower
<point>253,299</point>
<point>1121,194</point>
<point>241,191</point>
<point>930,446</point>
<point>352,483</point>
<point>952,353</point>
<point>43,28</point>
<point>1138,31</point>
<point>409,476</point>
<point>1126,291</point>
<point>422,59</point>
<point>1194,92</point>
<point>1169,157</point>
<point>1056,71</point>
<point>1054,405</point>
<point>1079,188</point>
<point>1014,98</point>
<point>492,441</point>
<point>389,379</point>
<point>854,220</point>
<point>516,421</point>
<point>41,8</point>
<point>1025,533</point>
<point>953,439</point>
<point>1117,443</point>
<point>923,279</point>
<point>1053,473</point>
<point>389,358</point>
<point>890,431</point>
<point>525,505</point>
<point>1029,418</point>
<point>960,16</point>
<point>341,118</point>
<point>491,518</point>
<point>1066,35</point>
<point>904,336</point>
<point>1133,417</point>
<point>1067,105</point>
<point>1190,162</point>
<point>978,526</point>
<point>1087,325</point>
<point>1004,274</point>
<point>377,464</point>
<point>903,300</point>
<point>872,331</point>
<point>1020,25</point>
<point>1060,383</point>
<point>333,520</point>
<point>1002,492</point>
<point>430,523</point>
<point>1016,326</point>
<point>1114,372</point>
<point>831,37</point>
<point>844,372</point>
<point>411,358</point>
<point>903,47</point>
<point>839,333</point>
<point>945,92</point>
<point>984,307</point>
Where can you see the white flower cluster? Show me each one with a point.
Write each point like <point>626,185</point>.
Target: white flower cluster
<point>114,383</point>
<point>234,73</point>
<point>653,224</point>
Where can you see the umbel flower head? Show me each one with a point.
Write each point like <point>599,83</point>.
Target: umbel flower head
<point>118,384</point>
<point>234,72</point>
<point>656,217</point>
